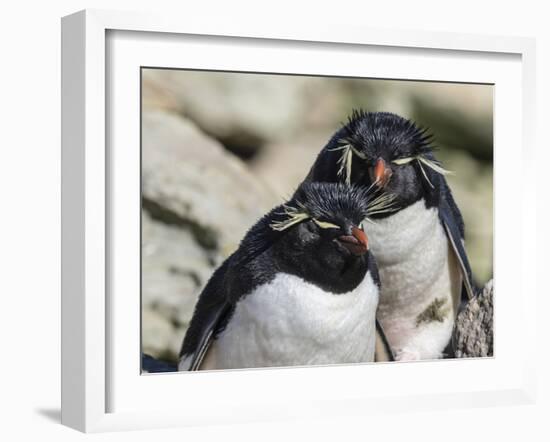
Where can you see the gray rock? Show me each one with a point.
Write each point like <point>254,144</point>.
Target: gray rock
<point>473,331</point>
<point>175,267</point>
<point>156,332</point>
<point>284,165</point>
<point>190,181</point>
<point>226,105</point>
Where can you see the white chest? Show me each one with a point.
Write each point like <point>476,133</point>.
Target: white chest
<point>407,234</point>
<point>416,267</point>
<point>292,322</point>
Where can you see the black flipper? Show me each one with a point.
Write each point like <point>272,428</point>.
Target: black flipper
<point>454,228</point>
<point>386,348</point>
<point>209,331</point>
<point>210,317</point>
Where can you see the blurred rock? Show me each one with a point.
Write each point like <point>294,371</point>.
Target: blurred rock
<point>175,267</point>
<point>247,111</point>
<point>157,331</point>
<point>156,94</point>
<point>284,165</point>
<point>190,181</point>
<point>243,111</point>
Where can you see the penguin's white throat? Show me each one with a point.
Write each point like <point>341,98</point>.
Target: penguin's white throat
<point>394,238</point>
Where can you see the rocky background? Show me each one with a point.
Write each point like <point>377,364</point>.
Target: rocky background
<point>221,149</point>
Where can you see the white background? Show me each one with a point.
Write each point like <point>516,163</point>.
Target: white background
<point>29,229</point>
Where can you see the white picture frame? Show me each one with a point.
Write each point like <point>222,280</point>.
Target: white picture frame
<point>102,389</point>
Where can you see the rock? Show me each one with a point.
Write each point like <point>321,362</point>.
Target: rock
<point>175,267</point>
<point>226,105</point>
<point>156,94</point>
<point>247,111</point>
<point>156,332</point>
<point>190,181</point>
<point>473,330</point>
<point>284,165</point>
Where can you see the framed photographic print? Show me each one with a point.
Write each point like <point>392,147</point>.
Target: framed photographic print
<point>279,222</point>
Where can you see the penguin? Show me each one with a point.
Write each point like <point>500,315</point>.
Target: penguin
<point>419,243</point>
<point>301,289</point>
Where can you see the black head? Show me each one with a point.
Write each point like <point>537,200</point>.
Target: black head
<point>320,236</point>
<point>386,151</point>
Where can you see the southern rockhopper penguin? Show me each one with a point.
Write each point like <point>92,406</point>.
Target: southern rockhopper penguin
<point>301,289</point>
<point>419,243</point>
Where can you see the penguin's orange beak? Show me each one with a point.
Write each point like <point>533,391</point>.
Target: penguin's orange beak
<point>357,243</point>
<point>380,173</point>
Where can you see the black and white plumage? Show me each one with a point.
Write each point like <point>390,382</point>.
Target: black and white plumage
<point>419,246</point>
<point>301,289</point>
